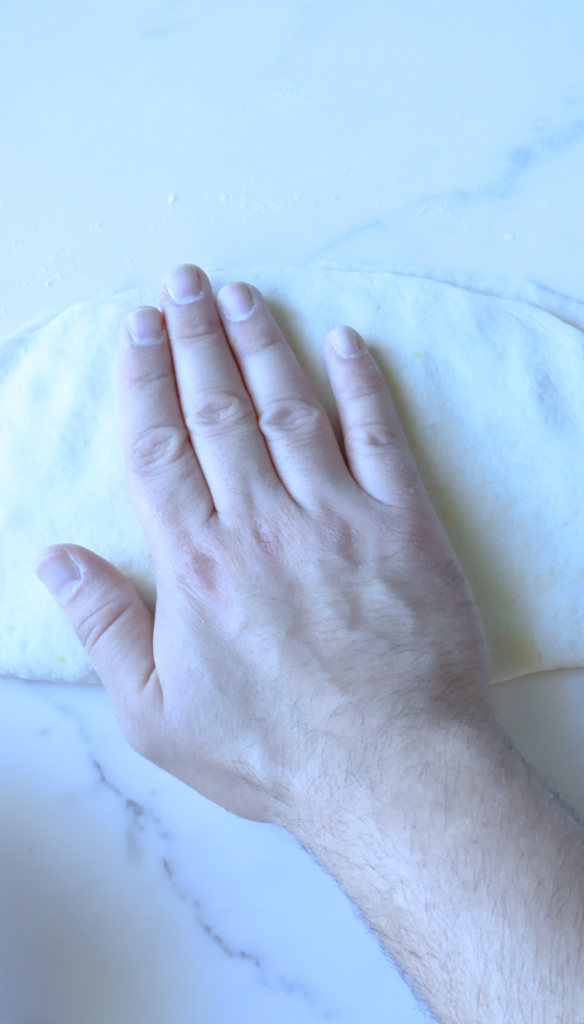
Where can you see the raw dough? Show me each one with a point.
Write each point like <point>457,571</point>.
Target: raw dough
<point>488,379</point>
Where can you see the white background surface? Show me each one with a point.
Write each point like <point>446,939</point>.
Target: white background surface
<point>140,135</point>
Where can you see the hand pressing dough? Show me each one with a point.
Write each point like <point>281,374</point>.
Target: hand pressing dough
<point>488,379</point>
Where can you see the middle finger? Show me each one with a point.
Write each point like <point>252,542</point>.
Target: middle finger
<point>217,409</point>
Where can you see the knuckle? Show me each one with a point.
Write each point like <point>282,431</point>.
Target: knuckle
<point>199,332</point>
<point>268,535</point>
<point>196,569</point>
<point>372,435</point>
<point>370,382</point>
<point>157,447</point>
<point>100,617</point>
<point>220,408</point>
<point>289,414</point>
<point>144,376</point>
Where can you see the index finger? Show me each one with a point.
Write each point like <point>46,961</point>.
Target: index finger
<point>165,481</point>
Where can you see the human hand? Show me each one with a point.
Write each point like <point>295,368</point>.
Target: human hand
<point>310,610</point>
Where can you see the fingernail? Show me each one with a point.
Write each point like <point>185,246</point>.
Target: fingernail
<point>346,342</point>
<point>145,326</point>
<point>183,283</point>
<point>60,574</point>
<point>236,301</point>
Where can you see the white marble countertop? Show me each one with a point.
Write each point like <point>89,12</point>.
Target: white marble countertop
<point>140,135</point>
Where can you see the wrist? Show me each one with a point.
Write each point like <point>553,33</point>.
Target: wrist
<point>374,788</point>
<point>468,869</point>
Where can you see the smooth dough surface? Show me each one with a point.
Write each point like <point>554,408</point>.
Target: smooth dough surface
<point>488,378</point>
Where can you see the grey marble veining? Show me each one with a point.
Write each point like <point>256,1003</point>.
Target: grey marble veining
<point>160,891</point>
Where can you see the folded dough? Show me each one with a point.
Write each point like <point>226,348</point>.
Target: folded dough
<point>488,379</point>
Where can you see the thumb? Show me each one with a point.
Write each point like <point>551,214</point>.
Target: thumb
<point>108,616</point>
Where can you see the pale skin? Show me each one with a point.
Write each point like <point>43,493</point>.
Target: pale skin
<point>317,658</point>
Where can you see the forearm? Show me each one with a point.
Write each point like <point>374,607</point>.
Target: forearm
<point>471,873</point>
